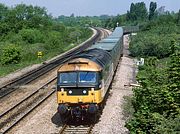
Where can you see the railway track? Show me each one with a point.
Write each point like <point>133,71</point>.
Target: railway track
<point>81,129</point>
<point>45,68</point>
<point>16,113</point>
<point>105,34</point>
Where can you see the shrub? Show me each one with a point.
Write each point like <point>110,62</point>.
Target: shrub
<point>156,103</point>
<point>31,36</point>
<point>14,38</point>
<point>54,41</point>
<point>11,54</point>
<point>169,126</point>
<point>149,44</point>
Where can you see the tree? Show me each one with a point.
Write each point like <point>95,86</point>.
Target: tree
<point>174,72</point>
<point>152,9</point>
<point>72,15</point>
<point>31,36</point>
<point>11,54</point>
<point>178,18</point>
<point>137,11</point>
<point>3,11</point>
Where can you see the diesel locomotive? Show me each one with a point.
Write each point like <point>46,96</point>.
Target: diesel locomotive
<point>83,81</point>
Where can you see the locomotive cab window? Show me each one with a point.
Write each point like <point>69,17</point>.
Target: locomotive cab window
<point>87,77</point>
<point>67,78</point>
<point>80,78</point>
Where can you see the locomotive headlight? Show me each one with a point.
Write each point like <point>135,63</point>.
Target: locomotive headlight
<point>92,89</point>
<point>62,89</point>
<point>84,91</point>
<point>70,92</point>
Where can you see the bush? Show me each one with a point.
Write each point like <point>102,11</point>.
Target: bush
<point>151,44</point>
<point>156,103</point>
<point>11,54</point>
<point>14,38</point>
<point>169,126</point>
<point>31,36</point>
<point>54,41</point>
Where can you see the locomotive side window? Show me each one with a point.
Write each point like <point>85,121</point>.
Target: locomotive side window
<point>66,78</point>
<point>86,77</point>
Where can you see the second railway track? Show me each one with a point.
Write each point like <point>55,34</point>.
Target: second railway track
<point>15,114</point>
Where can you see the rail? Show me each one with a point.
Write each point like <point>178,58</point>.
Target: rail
<point>16,113</point>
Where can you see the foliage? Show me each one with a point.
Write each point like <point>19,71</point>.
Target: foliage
<point>11,54</point>
<point>32,29</point>
<point>137,11</point>
<point>152,44</point>
<point>152,8</point>
<point>59,27</point>
<point>81,21</point>
<point>31,36</point>
<point>157,101</point>
<point>155,37</point>
<point>169,126</point>
<point>174,74</point>
<point>178,18</point>
<point>53,41</point>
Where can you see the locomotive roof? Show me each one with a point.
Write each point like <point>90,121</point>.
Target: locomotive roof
<point>99,56</point>
<point>108,46</point>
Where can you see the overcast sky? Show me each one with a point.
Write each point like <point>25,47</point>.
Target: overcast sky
<point>91,7</point>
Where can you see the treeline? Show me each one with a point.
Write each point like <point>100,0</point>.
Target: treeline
<point>27,29</point>
<point>139,14</point>
<point>93,21</point>
<point>158,29</point>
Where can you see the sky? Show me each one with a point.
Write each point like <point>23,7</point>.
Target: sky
<point>91,7</point>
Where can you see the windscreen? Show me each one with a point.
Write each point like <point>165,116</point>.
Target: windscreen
<point>77,78</point>
<point>87,77</point>
<point>68,78</point>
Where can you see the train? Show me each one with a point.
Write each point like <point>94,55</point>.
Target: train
<point>84,80</point>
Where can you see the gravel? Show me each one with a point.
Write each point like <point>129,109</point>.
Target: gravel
<point>44,120</point>
<point>112,120</point>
